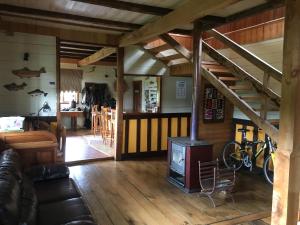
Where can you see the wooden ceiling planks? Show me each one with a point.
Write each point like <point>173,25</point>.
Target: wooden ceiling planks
<point>185,14</point>
<point>63,34</point>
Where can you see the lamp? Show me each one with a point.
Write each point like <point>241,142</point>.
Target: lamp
<point>46,108</point>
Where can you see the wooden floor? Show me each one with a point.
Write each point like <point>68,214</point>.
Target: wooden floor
<point>137,192</point>
<point>77,149</point>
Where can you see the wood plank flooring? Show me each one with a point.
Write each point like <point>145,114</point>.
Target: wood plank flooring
<point>137,192</point>
<point>78,150</point>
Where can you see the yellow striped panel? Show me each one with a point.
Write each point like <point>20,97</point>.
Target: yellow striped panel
<point>132,136</point>
<point>164,133</point>
<point>123,145</point>
<point>183,132</point>
<point>238,135</point>
<point>260,159</point>
<point>154,126</point>
<point>143,135</point>
<point>250,133</point>
<point>174,124</point>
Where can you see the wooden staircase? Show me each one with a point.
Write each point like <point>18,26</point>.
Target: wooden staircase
<point>253,97</point>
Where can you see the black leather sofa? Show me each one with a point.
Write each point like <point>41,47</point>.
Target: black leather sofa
<point>43,195</point>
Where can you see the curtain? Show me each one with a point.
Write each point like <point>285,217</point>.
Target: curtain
<point>70,80</point>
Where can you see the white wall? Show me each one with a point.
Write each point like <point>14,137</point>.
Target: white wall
<point>42,53</point>
<point>270,51</point>
<point>169,102</point>
<point>138,61</point>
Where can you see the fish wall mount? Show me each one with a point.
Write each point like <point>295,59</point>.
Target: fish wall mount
<point>37,92</point>
<point>27,73</point>
<point>15,87</point>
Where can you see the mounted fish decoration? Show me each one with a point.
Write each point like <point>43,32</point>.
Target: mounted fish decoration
<point>37,92</point>
<point>14,86</point>
<point>27,73</point>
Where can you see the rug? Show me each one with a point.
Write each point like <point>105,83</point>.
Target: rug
<point>96,143</point>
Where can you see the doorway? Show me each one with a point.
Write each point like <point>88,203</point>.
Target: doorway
<point>137,95</point>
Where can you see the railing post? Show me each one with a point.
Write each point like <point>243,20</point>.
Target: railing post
<point>119,106</point>
<point>264,105</point>
<point>197,51</point>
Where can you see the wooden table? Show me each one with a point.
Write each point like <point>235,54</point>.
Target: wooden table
<point>73,115</point>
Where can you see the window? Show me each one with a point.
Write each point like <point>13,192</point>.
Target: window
<point>68,96</point>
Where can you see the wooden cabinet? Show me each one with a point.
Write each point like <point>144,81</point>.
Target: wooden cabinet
<point>34,147</point>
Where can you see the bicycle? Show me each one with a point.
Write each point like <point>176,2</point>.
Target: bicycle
<point>236,154</point>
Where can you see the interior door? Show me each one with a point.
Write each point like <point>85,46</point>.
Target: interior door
<point>137,96</point>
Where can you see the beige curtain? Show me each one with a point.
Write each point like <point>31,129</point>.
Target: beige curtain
<point>70,80</point>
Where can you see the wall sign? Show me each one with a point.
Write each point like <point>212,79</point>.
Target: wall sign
<point>214,105</point>
<point>180,89</point>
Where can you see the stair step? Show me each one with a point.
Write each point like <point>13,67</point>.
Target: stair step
<point>169,57</point>
<point>241,87</point>
<point>159,48</point>
<point>258,108</point>
<point>228,78</point>
<point>251,98</point>
<point>215,68</point>
<point>274,121</point>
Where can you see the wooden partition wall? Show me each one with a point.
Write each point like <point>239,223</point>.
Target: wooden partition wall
<point>146,134</point>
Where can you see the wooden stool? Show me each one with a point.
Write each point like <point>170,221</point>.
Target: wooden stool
<point>94,114</point>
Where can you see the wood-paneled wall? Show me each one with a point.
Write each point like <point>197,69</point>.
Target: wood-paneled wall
<point>217,133</point>
<point>146,134</point>
<point>258,33</point>
<point>261,27</point>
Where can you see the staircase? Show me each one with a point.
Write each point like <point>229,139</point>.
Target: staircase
<point>253,97</point>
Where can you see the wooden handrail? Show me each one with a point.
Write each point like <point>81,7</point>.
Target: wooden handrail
<point>276,74</point>
<point>239,72</point>
<point>245,108</point>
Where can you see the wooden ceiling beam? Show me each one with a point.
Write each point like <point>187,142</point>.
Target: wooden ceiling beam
<point>89,52</point>
<point>79,47</point>
<point>68,23</point>
<point>177,46</point>
<point>101,54</point>
<point>129,6</point>
<point>65,16</point>
<point>70,60</point>
<point>185,14</point>
<point>63,34</point>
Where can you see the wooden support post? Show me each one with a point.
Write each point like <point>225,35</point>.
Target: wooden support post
<point>264,106</point>
<point>58,116</point>
<point>119,116</point>
<point>197,51</point>
<point>287,161</point>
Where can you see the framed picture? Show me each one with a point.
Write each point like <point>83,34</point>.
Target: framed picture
<point>214,105</point>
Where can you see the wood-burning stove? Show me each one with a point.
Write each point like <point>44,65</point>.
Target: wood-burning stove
<point>183,157</point>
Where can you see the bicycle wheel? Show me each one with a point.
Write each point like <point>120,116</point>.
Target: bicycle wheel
<point>232,155</point>
<point>268,169</point>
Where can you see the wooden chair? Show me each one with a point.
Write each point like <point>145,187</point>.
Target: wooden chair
<point>105,124</point>
<point>214,180</point>
<point>112,126</point>
<point>96,120</point>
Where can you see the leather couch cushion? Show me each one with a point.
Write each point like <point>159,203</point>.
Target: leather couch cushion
<point>81,222</point>
<point>62,212</point>
<point>56,190</point>
<point>9,198</point>
<point>10,160</point>
<point>48,172</point>
<point>28,203</point>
